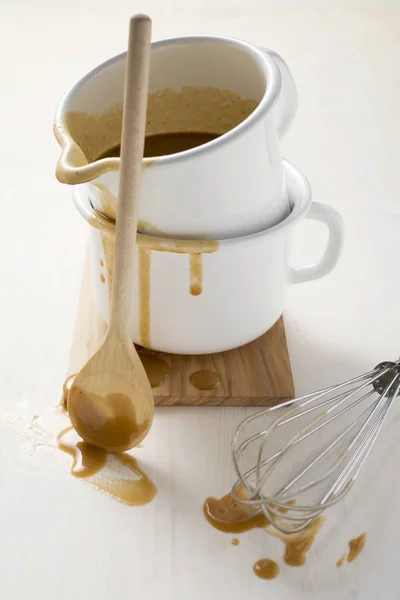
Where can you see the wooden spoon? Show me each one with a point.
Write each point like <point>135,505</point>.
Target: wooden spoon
<point>110,403</point>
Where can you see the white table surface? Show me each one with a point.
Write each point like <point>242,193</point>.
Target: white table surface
<point>59,538</point>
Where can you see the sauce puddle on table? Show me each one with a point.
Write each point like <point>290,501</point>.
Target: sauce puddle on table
<point>118,475</point>
<point>228,515</point>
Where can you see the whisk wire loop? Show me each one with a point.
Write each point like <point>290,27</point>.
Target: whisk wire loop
<point>339,459</point>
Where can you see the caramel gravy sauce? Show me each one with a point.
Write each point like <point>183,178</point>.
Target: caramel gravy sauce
<point>285,510</point>
<point>106,199</point>
<point>134,492</point>
<point>91,463</point>
<point>105,421</point>
<point>108,203</point>
<point>108,244</point>
<point>266,568</point>
<point>235,542</point>
<point>341,561</point>
<point>356,546</point>
<point>144,257</point>
<point>66,389</point>
<point>84,137</point>
<point>196,274</point>
<point>230,516</point>
<point>146,244</point>
<point>102,278</point>
<point>205,380</point>
<point>163,144</point>
<point>149,229</point>
<point>86,459</point>
<point>157,369</point>
<point>298,544</point>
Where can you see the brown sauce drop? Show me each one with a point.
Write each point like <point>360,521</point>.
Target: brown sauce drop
<point>92,463</point>
<point>163,144</point>
<point>230,516</point>
<point>296,551</point>
<point>205,380</point>
<point>101,262</point>
<point>356,546</point>
<point>102,278</point>
<point>196,274</point>
<point>266,568</point>
<point>298,544</point>
<point>235,542</point>
<point>341,561</point>
<point>157,370</point>
<point>144,295</point>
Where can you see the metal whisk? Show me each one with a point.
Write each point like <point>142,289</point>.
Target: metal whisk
<point>308,456</point>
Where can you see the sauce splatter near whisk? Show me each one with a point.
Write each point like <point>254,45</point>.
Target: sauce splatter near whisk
<point>297,545</point>
<point>356,546</point>
<point>228,515</point>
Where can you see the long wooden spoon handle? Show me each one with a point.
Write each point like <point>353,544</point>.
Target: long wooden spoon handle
<point>132,145</point>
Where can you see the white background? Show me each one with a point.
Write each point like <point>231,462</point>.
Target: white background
<point>60,539</point>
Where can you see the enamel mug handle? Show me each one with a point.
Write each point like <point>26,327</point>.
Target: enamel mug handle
<point>327,215</point>
<point>286,103</point>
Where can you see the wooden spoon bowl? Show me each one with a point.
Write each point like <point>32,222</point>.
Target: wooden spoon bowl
<point>101,402</point>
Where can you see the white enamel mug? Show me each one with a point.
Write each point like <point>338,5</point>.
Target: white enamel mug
<point>231,186</point>
<point>243,284</point>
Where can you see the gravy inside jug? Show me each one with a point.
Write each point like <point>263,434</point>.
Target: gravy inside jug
<point>167,143</point>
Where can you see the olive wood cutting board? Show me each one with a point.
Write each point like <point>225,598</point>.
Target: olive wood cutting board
<point>257,374</point>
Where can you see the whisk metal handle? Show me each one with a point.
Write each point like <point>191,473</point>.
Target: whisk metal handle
<point>334,222</point>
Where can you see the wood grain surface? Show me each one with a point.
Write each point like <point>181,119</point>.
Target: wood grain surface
<point>257,374</point>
